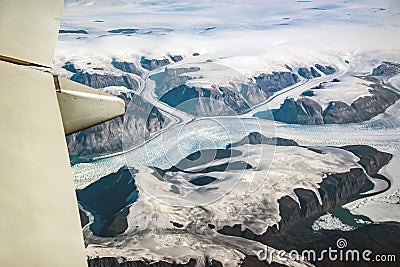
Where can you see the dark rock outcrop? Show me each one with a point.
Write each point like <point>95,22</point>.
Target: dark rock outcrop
<point>308,73</point>
<point>103,262</point>
<point>69,66</point>
<point>176,58</point>
<point>308,93</point>
<point>73,31</point>
<point>314,73</point>
<point>124,31</point>
<point>140,120</point>
<point>108,200</point>
<point>255,138</point>
<point>97,80</point>
<point>253,261</point>
<point>387,69</point>
<point>289,68</point>
<point>300,111</point>
<point>327,70</point>
<point>335,190</point>
<point>152,64</point>
<point>171,77</point>
<point>254,91</point>
<point>339,112</point>
<point>202,180</point>
<point>305,73</point>
<point>205,157</point>
<point>371,159</point>
<point>383,238</point>
<point>217,101</point>
<point>265,85</point>
<point>319,86</point>
<point>306,111</point>
<point>84,218</point>
<point>126,67</point>
<point>368,107</point>
<point>231,166</point>
<point>276,81</point>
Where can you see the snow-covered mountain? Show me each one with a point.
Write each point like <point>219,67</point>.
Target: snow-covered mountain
<point>251,56</point>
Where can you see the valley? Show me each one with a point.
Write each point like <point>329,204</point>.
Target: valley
<point>249,127</point>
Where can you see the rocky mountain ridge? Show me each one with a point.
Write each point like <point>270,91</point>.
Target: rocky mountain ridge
<point>141,120</point>
<point>305,110</point>
<point>218,100</point>
<point>108,200</point>
<point>294,231</point>
<point>97,80</point>
<point>198,101</point>
<point>136,125</point>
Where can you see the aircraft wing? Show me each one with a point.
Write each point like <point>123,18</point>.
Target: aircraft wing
<point>39,224</point>
<point>29,30</point>
<point>82,107</point>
